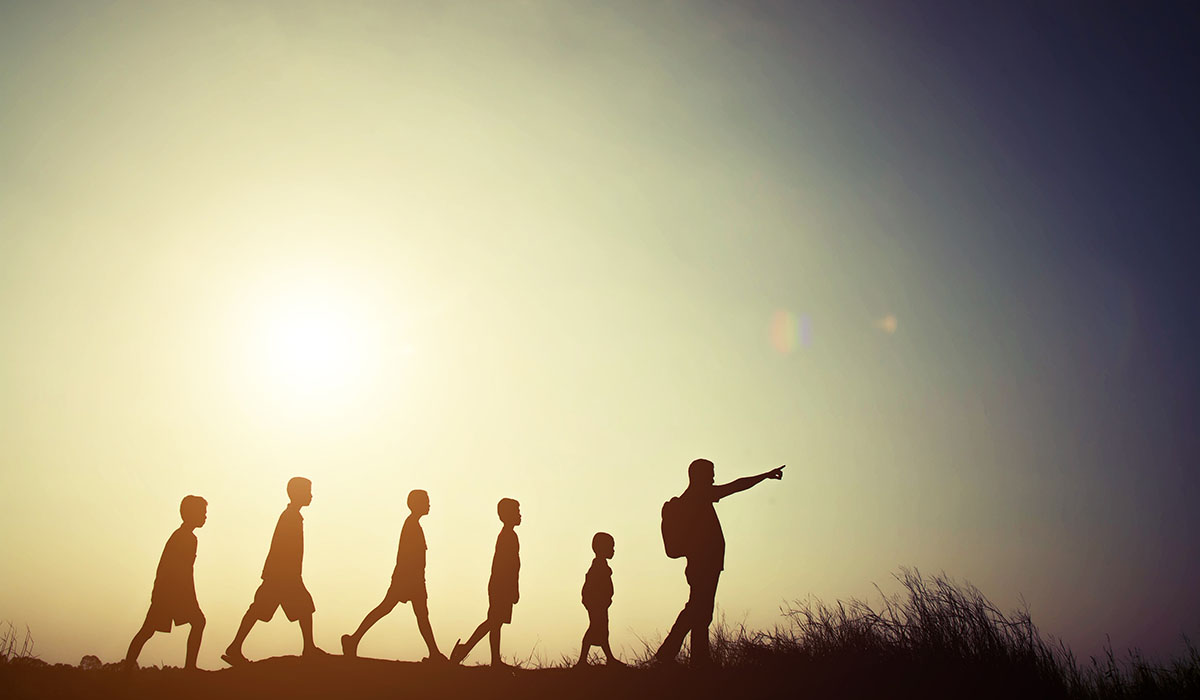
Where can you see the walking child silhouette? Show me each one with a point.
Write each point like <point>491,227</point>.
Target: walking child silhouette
<point>174,595</point>
<point>408,582</point>
<point>503,588</point>
<point>282,583</point>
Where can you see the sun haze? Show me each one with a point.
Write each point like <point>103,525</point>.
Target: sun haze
<point>555,253</point>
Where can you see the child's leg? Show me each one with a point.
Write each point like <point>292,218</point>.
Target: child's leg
<point>306,631</point>
<point>248,620</point>
<point>584,647</point>
<point>608,653</point>
<point>494,639</point>
<point>421,610</point>
<point>477,635</point>
<point>193,642</point>
<point>372,617</point>
<point>139,640</point>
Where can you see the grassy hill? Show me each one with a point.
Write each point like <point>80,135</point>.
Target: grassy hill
<point>938,639</point>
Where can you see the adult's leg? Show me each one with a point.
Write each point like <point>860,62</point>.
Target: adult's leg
<point>704,595</point>
<point>421,610</point>
<point>139,640</point>
<point>193,641</point>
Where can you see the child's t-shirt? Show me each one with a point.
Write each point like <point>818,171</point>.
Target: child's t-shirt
<point>174,582</point>
<point>506,568</point>
<point>410,553</point>
<point>598,585</point>
<point>285,560</point>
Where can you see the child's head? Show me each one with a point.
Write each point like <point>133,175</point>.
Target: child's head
<point>299,490</point>
<point>603,545</point>
<point>193,510</point>
<point>509,511</point>
<point>701,473</point>
<point>418,502</point>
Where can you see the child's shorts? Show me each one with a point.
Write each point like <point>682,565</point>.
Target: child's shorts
<point>597,631</point>
<point>292,596</point>
<point>499,612</point>
<point>161,615</point>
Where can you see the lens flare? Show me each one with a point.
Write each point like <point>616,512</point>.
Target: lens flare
<point>787,331</point>
<point>888,324</point>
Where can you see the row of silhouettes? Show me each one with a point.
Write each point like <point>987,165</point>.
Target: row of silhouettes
<point>691,530</point>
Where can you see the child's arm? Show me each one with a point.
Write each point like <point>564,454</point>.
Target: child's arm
<point>723,490</point>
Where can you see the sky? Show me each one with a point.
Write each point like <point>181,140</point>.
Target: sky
<point>938,259</point>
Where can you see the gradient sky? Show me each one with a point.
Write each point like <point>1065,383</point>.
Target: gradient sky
<point>938,259</point>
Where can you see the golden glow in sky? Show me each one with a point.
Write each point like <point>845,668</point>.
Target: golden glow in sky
<point>521,252</point>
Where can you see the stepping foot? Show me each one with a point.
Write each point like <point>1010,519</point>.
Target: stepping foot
<point>436,658</point>
<point>349,646</point>
<point>459,653</point>
<point>234,659</point>
<point>314,652</point>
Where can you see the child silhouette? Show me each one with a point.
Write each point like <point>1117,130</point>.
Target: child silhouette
<point>597,597</point>
<point>173,598</point>
<point>408,581</point>
<point>503,590</point>
<point>282,583</point>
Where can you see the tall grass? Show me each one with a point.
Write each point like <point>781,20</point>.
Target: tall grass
<point>937,637</point>
<point>13,645</point>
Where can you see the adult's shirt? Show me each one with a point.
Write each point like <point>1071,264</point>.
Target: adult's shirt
<point>286,556</point>
<point>707,548</point>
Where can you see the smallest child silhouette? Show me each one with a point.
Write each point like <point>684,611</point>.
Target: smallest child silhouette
<point>174,595</point>
<point>597,597</point>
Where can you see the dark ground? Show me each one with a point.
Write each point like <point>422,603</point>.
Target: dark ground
<point>337,677</point>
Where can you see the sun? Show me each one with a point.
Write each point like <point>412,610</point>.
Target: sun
<point>311,342</point>
<point>313,349</point>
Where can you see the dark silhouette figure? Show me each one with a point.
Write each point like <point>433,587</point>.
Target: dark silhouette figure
<point>705,552</point>
<point>282,584</point>
<point>174,596</point>
<point>503,591</point>
<point>408,581</point>
<point>597,597</point>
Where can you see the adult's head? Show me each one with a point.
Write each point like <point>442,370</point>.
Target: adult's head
<point>509,511</point>
<point>193,510</point>
<point>603,545</point>
<point>418,502</point>
<point>701,473</point>
<point>299,490</point>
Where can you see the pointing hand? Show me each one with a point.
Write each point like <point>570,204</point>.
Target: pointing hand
<point>776,473</point>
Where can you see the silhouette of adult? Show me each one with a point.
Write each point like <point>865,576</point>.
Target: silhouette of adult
<point>408,581</point>
<point>705,553</point>
<point>282,583</point>
<point>173,599</point>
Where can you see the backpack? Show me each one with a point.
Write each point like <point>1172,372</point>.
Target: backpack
<point>676,528</point>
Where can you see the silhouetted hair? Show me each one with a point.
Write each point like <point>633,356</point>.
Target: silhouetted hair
<point>191,504</point>
<point>697,466</point>
<point>599,540</point>
<point>416,496</point>
<point>297,485</point>
<point>506,504</point>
